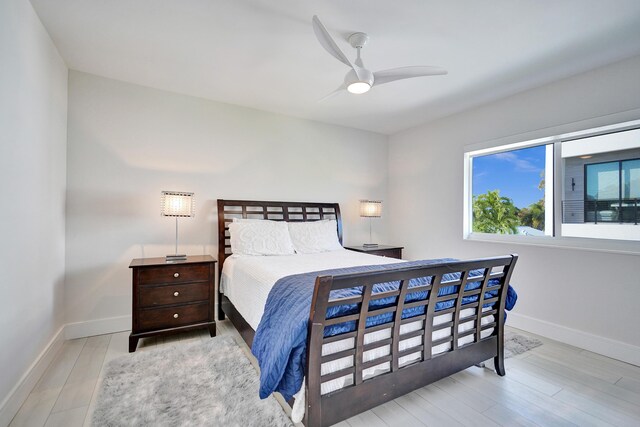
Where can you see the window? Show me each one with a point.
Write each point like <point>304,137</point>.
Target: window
<point>612,191</point>
<point>509,194</point>
<point>630,177</point>
<point>511,189</point>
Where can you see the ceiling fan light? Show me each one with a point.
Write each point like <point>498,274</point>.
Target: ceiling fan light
<point>359,87</point>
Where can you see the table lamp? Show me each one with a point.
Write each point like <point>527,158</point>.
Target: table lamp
<point>177,204</point>
<point>370,209</point>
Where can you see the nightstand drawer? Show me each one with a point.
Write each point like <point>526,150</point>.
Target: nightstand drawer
<point>171,317</point>
<point>173,274</point>
<point>173,294</point>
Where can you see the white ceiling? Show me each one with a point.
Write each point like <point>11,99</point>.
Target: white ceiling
<point>263,53</point>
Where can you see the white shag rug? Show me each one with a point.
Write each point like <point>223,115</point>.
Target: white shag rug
<point>515,344</point>
<point>209,383</point>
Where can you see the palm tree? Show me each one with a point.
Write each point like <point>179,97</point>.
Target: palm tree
<point>537,214</point>
<point>533,216</point>
<point>493,213</point>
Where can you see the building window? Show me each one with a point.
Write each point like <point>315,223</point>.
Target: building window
<point>612,190</point>
<point>509,191</point>
<point>630,176</point>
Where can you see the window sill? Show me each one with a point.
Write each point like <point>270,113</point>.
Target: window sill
<point>577,243</point>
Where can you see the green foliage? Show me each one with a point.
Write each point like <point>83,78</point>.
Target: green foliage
<point>494,214</point>
<point>533,216</point>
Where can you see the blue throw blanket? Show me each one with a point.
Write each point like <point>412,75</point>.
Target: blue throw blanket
<point>280,341</point>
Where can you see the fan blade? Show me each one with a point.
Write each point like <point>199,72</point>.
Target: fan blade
<point>334,93</point>
<point>327,42</point>
<point>386,76</point>
<point>330,46</point>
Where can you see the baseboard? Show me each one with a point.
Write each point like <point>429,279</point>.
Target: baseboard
<point>91,328</point>
<point>595,343</point>
<point>16,397</point>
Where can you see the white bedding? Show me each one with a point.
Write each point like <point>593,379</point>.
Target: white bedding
<point>247,280</point>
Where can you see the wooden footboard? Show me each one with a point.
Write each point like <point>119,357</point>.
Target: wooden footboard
<point>362,394</point>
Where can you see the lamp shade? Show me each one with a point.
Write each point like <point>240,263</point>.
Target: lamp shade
<point>178,204</point>
<point>370,208</point>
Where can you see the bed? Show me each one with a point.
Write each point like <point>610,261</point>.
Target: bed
<point>348,371</point>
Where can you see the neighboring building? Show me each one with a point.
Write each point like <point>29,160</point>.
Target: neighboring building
<point>602,185</point>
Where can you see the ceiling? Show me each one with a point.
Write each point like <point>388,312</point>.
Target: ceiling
<point>263,53</point>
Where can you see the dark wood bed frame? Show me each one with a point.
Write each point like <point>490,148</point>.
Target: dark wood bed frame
<point>328,409</point>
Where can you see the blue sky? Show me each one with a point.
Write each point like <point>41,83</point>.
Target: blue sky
<point>515,173</point>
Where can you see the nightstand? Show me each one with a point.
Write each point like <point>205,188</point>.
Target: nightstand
<point>380,250</point>
<point>170,297</point>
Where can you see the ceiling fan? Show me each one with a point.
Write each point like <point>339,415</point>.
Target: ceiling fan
<point>359,79</point>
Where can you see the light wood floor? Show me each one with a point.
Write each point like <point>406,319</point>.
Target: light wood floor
<point>554,384</point>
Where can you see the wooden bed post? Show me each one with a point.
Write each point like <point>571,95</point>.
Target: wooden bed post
<point>221,255</point>
<point>313,412</point>
<point>498,361</point>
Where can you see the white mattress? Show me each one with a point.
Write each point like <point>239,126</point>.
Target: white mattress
<point>247,281</point>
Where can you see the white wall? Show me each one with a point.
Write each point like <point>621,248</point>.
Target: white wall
<point>127,143</point>
<point>33,123</point>
<point>584,297</point>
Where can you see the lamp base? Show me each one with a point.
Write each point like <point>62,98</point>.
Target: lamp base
<point>176,257</point>
<point>370,245</point>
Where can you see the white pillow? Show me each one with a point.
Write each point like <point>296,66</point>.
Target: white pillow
<point>314,236</point>
<point>260,237</point>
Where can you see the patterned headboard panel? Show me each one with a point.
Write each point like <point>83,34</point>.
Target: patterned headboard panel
<point>275,211</point>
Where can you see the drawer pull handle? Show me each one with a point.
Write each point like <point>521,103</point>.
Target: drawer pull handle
<point>176,275</point>
<point>175,316</point>
<point>176,293</point>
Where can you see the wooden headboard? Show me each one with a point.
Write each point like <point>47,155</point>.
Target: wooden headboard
<point>275,211</point>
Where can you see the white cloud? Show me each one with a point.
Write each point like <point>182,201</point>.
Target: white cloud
<point>520,164</point>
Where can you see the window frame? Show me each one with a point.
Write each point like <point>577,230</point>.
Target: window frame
<point>556,135</point>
